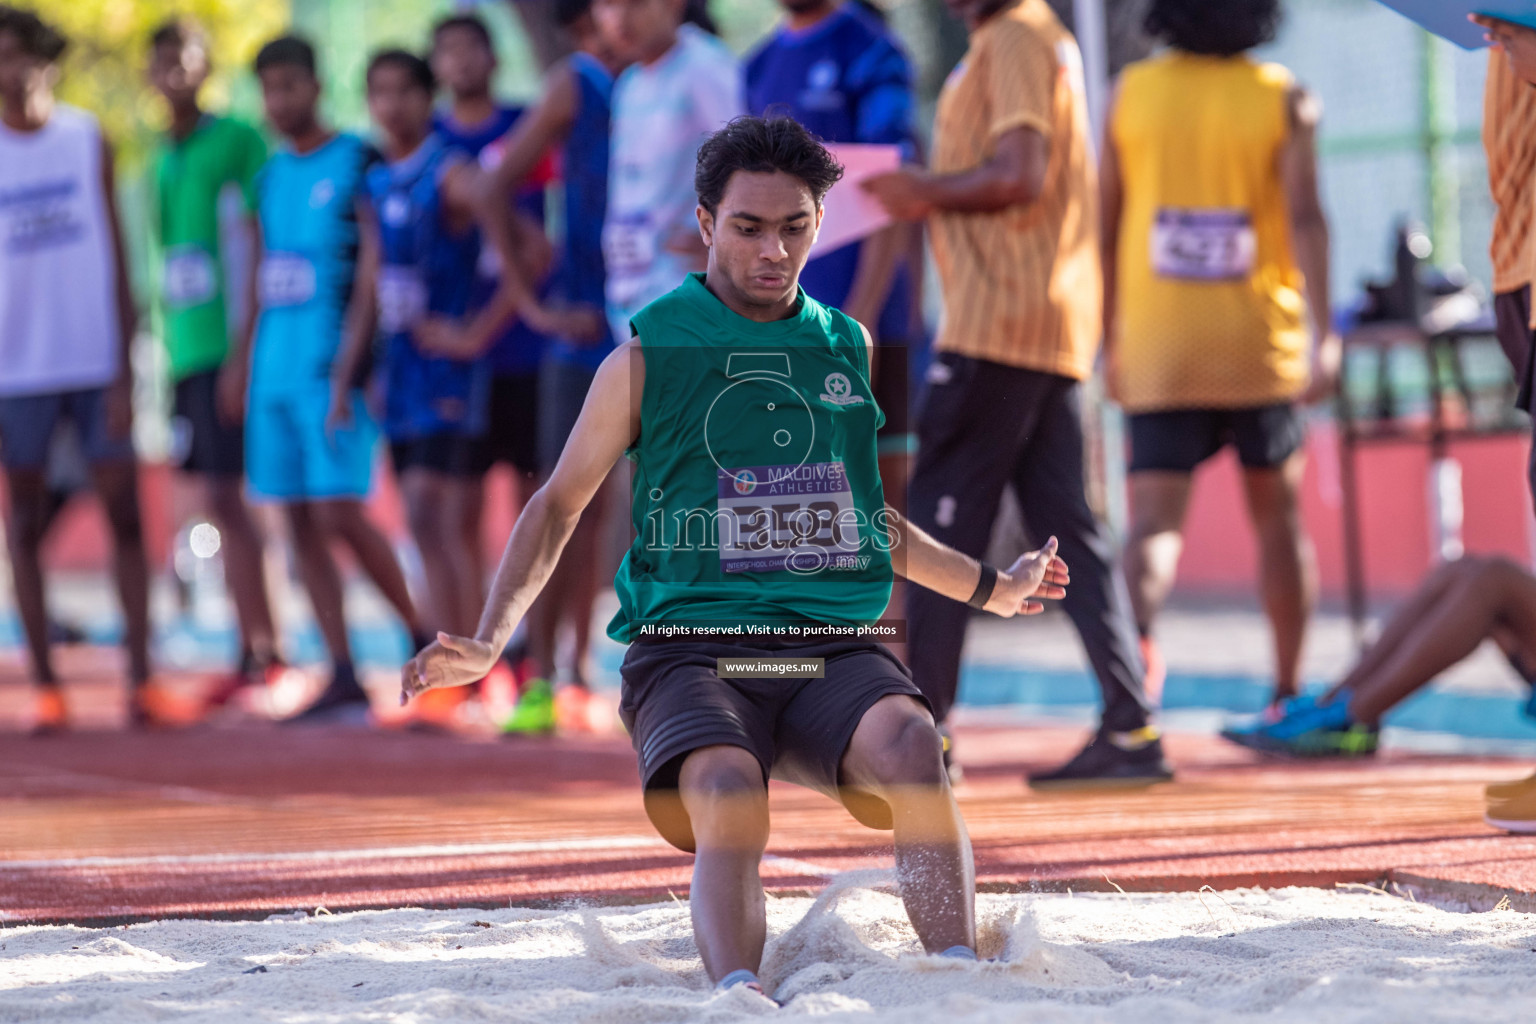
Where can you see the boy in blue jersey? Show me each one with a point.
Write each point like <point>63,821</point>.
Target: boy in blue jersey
<point>419,246</point>
<point>835,67</point>
<point>573,117</point>
<point>307,199</point>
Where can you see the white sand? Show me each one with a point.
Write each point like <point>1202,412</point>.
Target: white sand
<point>1294,956</point>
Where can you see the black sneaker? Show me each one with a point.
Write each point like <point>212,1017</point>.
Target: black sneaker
<point>1103,763</point>
<point>342,702</point>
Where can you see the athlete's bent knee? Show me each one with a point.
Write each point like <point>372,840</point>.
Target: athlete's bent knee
<point>913,755</point>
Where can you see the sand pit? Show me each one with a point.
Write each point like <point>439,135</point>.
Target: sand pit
<point>1292,956</point>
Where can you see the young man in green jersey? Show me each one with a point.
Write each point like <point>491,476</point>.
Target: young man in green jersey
<point>762,534</point>
<point>204,175</point>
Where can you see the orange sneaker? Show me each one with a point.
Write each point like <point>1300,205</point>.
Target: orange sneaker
<point>151,706</point>
<point>49,714</point>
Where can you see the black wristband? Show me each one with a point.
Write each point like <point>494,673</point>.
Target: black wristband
<point>984,586</point>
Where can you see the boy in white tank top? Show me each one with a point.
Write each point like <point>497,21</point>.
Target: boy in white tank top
<point>66,319</point>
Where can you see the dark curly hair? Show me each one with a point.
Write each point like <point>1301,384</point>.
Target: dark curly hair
<point>37,38</point>
<point>418,69</point>
<point>763,145</point>
<point>1217,28</point>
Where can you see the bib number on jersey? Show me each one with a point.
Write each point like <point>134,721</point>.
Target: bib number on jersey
<point>1203,245</point>
<point>402,298</point>
<point>190,279</point>
<point>800,518</point>
<point>286,279</point>
<point>629,246</point>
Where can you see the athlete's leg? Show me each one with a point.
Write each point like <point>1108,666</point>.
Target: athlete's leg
<point>722,790</point>
<point>317,568</point>
<point>117,483</point>
<point>28,499</point>
<point>897,754</point>
<point>1287,564</point>
<point>244,567</point>
<point>1405,621</point>
<point>1159,501</point>
<point>431,515</point>
<point>1487,595</point>
<point>347,520</point>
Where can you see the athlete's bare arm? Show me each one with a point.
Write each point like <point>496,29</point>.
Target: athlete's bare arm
<point>362,317</point>
<point>609,423</point>
<point>1111,201</point>
<point>1033,577</point>
<point>234,375</point>
<point>120,394</point>
<point>1014,175</point>
<point>1309,237</point>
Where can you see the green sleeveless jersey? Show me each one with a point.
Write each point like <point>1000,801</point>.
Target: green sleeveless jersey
<point>757,499</point>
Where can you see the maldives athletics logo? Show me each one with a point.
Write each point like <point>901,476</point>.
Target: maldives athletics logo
<point>839,391</point>
<point>745,482</point>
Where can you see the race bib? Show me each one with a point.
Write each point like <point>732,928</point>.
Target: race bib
<point>629,246</point>
<point>285,279</point>
<point>402,298</point>
<point>799,518</point>
<point>1203,245</point>
<point>190,279</point>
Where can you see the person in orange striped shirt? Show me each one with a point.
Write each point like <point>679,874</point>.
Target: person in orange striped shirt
<point>1012,208</point>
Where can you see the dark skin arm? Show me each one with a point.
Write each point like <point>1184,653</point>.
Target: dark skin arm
<point>523,256</point>
<point>234,375</point>
<point>1014,175</point>
<point>1309,240</point>
<point>1111,204</point>
<point>362,317</point>
<point>120,395</point>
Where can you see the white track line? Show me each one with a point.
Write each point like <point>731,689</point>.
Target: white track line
<point>370,853</point>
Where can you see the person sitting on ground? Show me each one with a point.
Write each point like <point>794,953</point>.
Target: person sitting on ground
<point>1462,604</point>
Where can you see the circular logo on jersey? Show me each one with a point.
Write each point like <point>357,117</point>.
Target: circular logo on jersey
<point>838,390</point>
<point>322,193</point>
<point>822,75</point>
<point>746,482</point>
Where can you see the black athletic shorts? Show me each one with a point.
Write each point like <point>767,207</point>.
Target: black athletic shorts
<point>674,703</point>
<point>453,454</point>
<point>512,430</point>
<point>201,442</point>
<point>1179,440</point>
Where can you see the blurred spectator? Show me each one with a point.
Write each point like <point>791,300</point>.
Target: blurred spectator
<point>307,199</point>
<point>572,117</point>
<point>682,85</point>
<point>66,323</point>
<point>1215,244</point>
<point>1012,208</point>
<point>204,169</point>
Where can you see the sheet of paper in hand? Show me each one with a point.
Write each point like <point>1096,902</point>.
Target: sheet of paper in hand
<point>851,213</point>
<point>1448,18</point>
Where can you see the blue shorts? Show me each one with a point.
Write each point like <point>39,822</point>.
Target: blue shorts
<point>28,423</point>
<point>290,456</point>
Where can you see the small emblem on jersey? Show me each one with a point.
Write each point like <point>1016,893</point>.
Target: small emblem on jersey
<point>321,195</point>
<point>839,391</point>
<point>745,482</point>
<point>822,75</point>
<point>397,209</point>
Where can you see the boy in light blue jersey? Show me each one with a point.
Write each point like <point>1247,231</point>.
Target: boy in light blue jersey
<point>306,202</point>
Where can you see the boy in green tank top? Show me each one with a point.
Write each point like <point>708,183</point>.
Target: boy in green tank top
<point>763,543</point>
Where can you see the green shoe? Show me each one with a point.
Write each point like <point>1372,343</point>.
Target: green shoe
<point>534,714</point>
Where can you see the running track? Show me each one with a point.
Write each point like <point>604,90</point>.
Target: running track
<point>247,820</point>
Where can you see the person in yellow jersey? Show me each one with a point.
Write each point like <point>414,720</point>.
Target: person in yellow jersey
<point>1012,208</point>
<point>1215,251</point>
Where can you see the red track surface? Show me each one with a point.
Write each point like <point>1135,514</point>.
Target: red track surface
<point>247,820</point>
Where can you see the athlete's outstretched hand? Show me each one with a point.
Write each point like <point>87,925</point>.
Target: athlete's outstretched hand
<point>447,661</point>
<point>1035,577</point>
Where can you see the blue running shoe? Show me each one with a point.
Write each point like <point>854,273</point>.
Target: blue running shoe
<point>1308,729</point>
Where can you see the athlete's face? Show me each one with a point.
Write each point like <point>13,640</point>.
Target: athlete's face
<point>178,71</point>
<point>759,238</point>
<point>638,29</point>
<point>290,95</point>
<point>463,62</point>
<point>398,104</point>
<point>21,74</point>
